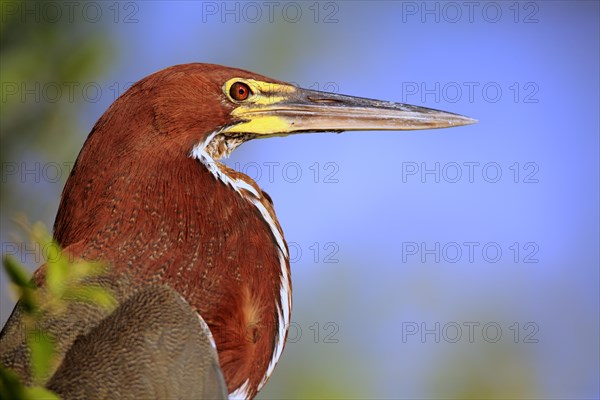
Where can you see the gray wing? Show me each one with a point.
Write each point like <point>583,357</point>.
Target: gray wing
<point>153,345</point>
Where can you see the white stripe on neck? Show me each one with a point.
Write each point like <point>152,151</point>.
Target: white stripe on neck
<point>285,302</point>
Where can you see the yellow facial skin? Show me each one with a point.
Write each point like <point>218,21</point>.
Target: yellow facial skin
<point>263,94</point>
<point>280,109</point>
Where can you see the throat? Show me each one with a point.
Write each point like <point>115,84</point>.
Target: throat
<point>215,144</point>
<point>221,145</point>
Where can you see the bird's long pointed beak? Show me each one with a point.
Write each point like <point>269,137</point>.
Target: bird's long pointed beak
<point>282,109</point>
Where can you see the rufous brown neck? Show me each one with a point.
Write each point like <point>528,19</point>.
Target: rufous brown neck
<point>160,214</point>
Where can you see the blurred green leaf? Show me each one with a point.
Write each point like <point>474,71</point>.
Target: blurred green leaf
<point>92,295</point>
<point>10,387</point>
<point>19,277</point>
<point>42,355</point>
<point>16,274</point>
<point>40,393</point>
<point>64,283</point>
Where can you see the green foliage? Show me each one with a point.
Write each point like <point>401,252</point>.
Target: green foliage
<point>42,355</point>
<point>35,54</point>
<point>11,388</point>
<point>64,282</point>
<point>21,283</point>
<point>39,393</point>
<point>64,276</point>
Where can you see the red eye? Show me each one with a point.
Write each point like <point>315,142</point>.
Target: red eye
<point>239,91</point>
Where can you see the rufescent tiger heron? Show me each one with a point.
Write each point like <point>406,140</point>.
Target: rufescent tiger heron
<point>197,257</point>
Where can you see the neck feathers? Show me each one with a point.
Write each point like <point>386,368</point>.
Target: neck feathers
<point>203,229</point>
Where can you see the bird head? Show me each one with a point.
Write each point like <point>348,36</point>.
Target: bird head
<point>221,108</point>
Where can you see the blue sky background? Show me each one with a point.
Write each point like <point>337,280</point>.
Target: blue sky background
<point>529,72</point>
